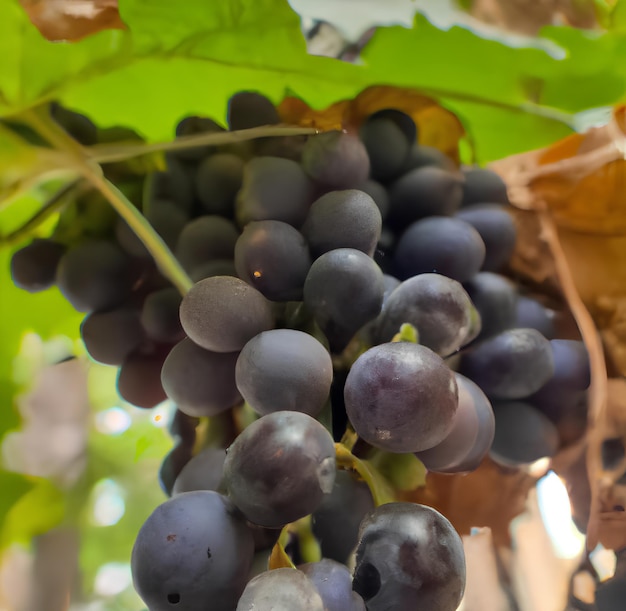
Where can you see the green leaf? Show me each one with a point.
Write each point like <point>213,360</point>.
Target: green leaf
<point>14,486</point>
<point>35,512</point>
<point>34,69</point>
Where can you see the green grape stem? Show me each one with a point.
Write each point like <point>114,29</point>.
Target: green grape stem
<point>162,255</point>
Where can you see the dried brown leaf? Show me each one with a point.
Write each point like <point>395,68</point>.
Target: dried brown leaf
<point>72,20</point>
<point>437,126</point>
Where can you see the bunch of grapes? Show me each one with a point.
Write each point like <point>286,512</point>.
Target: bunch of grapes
<point>344,284</point>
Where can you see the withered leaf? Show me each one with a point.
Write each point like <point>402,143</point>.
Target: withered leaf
<point>437,126</point>
<point>72,20</point>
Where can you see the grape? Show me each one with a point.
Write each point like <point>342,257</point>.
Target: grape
<point>280,468</point>
<point>195,125</point>
<point>204,239</point>
<point>337,278</point>
<point>284,369</point>
<point>200,382</point>
<point>172,466</point>
<point>111,336</point>
<point>610,594</point>
<point>159,316</point>
<point>437,306</point>
<point>333,582</point>
<point>343,219</point>
<point>409,557</point>
<point>446,246</point>
<point>78,126</point>
<point>386,144</point>
<point>33,268</point>
<point>166,219</point>
<point>495,298</point>
<point>273,189</point>
<point>471,436</point>
<point>248,109</point>
<point>139,378</point>
<point>497,230</point>
<point>218,179</point>
<point>378,193</point>
<point>280,590</point>
<point>273,257</point>
<point>194,552</point>
<point>427,191</point>
<point>511,365</point>
<point>175,185</point>
<point>422,156</point>
<point>563,398</point>
<point>335,522</point>
<point>336,160</point>
<point>183,427</point>
<point>203,472</point>
<point>523,434</point>
<point>95,275</point>
<point>222,313</point>
<point>483,186</point>
<point>401,397</point>
<point>216,267</point>
<point>532,315</point>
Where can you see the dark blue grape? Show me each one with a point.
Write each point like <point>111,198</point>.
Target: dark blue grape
<point>248,109</point>
<point>511,365</point>
<point>273,189</point>
<point>222,313</point>
<point>192,553</point>
<point>336,521</point>
<point>438,307</point>
<point>344,290</point>
<point>273,257</point>
<point>443,245</point>
<point>218,180</point>
<point>173,464</point>
<point>284,369</point>
<point>216,267</point>
<point>280,590</point>
<point>471,436</point>
<point>204,239</point>
<point>333,582</point>
<point>159,316</point>
<point>424,192</point>
<point>387,146</point>
<point>533,315</point>
<point>401,397</point>
<point>378,193</point>
<point>204,471</point>
<point>33,267</point>
<point>139,378</point>
<point>483,186</point>
<point>95,275</point>
<point>409,557</point>
<point>495,299</point>
<point>343,219</point>
<point>523,434</point>
<point>111,336</point>
<point>200,382</point>
<point>175,185</point>
<point>193,125</point>
<point>497,230</point>
<point>421,156</point>
<point>280,468</point>
<point>336,160</point>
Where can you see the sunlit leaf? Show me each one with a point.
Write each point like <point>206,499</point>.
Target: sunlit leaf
<point>14,486</point>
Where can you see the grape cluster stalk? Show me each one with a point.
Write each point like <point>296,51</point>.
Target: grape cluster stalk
<point>344,286</point>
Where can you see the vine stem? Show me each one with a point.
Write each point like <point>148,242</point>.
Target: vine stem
<point>55,203</point>
<point>157,248</point>
<point>110,153</point>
